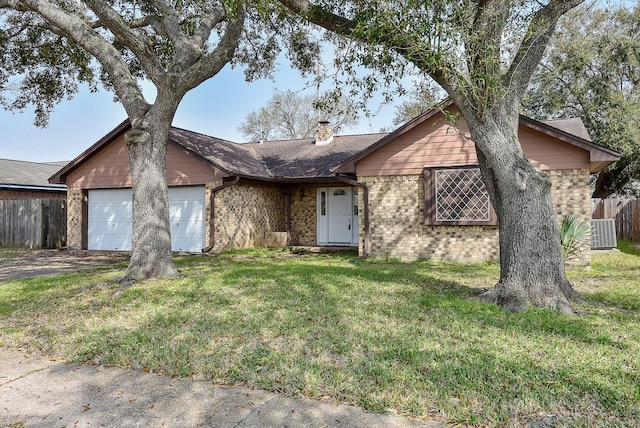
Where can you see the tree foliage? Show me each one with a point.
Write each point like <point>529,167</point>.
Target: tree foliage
<point>483,54</point>
<point>592,71</point>
<point>290,115</point>
<point>50,46</point>
<point>421,99</point>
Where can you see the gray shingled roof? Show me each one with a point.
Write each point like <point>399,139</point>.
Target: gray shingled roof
<point>573,126</point>
<point>237,159</point>
<point>16,173</point>
<point>285,159</point>
<point>295,159</point>
<point>304,159</point>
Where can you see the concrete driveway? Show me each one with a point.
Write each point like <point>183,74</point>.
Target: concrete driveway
<point>54,262</point>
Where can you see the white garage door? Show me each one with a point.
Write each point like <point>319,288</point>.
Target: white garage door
<point>110,219</point>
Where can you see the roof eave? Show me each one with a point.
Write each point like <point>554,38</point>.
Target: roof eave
<point>61,176</point>
<point>33,187</point>
<point>349,165</point>
<point>599,156</point>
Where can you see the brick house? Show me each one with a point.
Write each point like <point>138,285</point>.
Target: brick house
<point>413,193</point>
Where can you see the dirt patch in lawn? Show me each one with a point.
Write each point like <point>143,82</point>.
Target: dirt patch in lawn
<point>30,263</point>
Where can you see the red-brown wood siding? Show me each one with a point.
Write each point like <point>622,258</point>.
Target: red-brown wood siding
<point>109,169</point>
<point>436,143</point>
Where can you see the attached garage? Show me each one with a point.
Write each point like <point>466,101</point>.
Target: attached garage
<point>110,211</point>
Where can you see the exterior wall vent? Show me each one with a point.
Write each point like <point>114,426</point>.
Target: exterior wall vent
<point>603,233</point>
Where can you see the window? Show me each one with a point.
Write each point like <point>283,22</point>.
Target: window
<point>323,203</point>
<point>355,201</point>
<point>457,196</point>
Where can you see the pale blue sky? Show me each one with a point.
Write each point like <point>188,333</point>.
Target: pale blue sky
<point>215,108</point>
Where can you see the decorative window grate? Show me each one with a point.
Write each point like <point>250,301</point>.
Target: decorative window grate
<point>461,196</point>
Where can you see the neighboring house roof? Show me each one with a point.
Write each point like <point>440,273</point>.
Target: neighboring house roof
<point>572,125</point>
<point>23,175</point>
<point>571,131</point>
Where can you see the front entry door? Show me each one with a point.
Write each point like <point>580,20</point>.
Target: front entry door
<point>340,227</point>
<point>337,218</point>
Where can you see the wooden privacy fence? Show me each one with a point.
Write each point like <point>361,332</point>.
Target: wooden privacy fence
<point>626,212</point>
<point>33,223</point>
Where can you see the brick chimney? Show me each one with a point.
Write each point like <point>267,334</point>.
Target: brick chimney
<point>324,133</point>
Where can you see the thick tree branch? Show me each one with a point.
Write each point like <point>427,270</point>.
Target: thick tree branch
<point>211,64</point>
<point>398,41</point>
<point>186,51</point>
<point>532,47</point>
<point>13,4</point>
<point>138,45</point>
<point>208,22</point>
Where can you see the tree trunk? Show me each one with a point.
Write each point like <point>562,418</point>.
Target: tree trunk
<point>531,264</point>
<point>612,179</point>
<point>147,140</point>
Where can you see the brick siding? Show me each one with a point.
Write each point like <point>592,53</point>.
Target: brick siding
<point>74,218</point>
<point>303,216</point>
<point>398,230</point>
<point>571,195</point>
<point>245,214</point>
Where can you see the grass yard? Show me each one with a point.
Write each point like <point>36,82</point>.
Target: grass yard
<point>386,336</point>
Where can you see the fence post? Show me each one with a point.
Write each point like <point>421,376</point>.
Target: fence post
<point>635,220</point>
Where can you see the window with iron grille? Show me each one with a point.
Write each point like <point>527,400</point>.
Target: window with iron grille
<point>457,196</point>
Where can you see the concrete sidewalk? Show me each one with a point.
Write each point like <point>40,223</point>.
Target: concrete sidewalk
<point>38,392</point>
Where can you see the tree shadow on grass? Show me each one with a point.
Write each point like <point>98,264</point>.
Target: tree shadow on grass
<point>379,335</point>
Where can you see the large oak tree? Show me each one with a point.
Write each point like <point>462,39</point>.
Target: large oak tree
<point>49,46</point>
<point>483,53</point>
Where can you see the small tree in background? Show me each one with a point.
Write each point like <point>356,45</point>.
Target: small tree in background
<point>290,115</point>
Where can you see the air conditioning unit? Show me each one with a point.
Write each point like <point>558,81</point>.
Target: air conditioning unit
<point>603,233</point>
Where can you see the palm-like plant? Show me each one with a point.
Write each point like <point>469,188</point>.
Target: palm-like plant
<point>574,234</point>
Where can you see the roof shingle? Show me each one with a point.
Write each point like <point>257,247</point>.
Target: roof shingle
<point>28,174</point>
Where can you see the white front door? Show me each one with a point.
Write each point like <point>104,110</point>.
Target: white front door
<point>337,217</point>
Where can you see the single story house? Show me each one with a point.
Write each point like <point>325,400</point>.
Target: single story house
<point>413,193</point>
<point>29,180</point>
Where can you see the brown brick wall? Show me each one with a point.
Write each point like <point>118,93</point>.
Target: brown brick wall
<point>303,216</point>
<point>397,220</point>
<point>571,195</point>
<point>245,214</point>
<point>74,218</point>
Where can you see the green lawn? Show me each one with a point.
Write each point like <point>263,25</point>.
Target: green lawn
<point>386,336</point>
